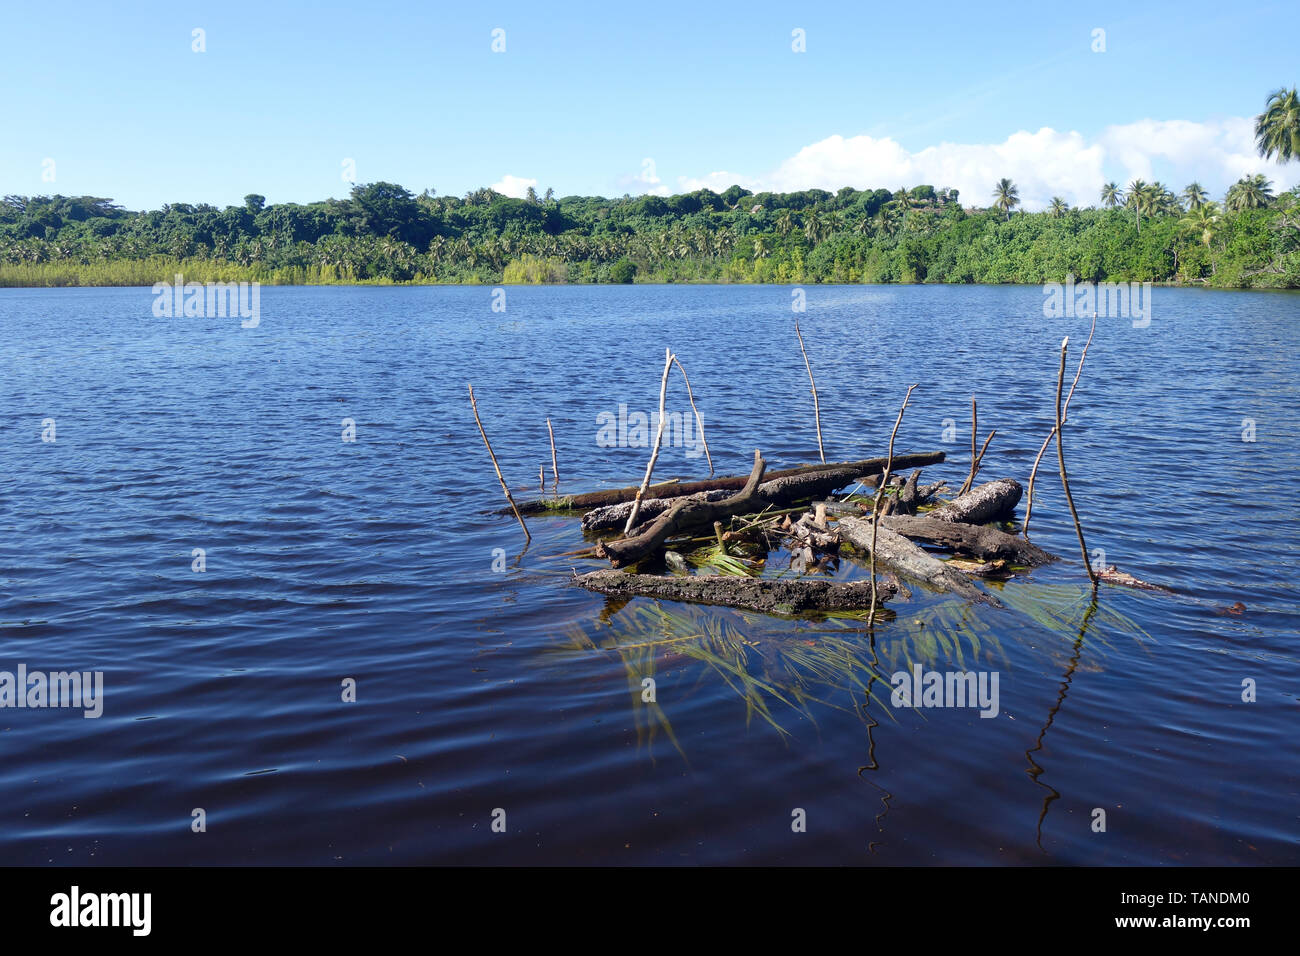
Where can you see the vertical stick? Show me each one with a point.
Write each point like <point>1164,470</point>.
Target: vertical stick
<point>1060,457</point>
<point>875,505</point>
<point>474,405</point>
<point>1029,494</point>
<point>555,469</point>
<point>1033,473</point>
<point>698,422</point>
<point>974,428</point>
<point>817,411</point>
<point>979,459</point>
<point>654,454</point>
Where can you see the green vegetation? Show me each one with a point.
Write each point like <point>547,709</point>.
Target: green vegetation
<point>385,233</point>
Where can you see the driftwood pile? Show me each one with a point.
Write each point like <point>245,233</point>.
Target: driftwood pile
<point>646,528</point>
<point>962,526</point>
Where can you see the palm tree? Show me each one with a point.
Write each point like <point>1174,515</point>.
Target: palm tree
<point>904,202</point>
<point>760,248</point>
<point>1277,129</point>
<point>1059,207</point>
<point>862,227</point>
<point>1164,201</point>
<point>1252,192</point>
<point>1111,195</point>
<point>1203,219</point>
<point>1006,196</point>
<point>1138,198</point>
<point>814,227</point>
<point>785,223</point>
<point>1195,195</point>
<point>887,220</point>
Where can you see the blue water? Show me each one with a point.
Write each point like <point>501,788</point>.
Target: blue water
<point>482,689</point>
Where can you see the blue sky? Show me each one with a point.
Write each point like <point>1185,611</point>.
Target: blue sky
<point>584,94</point>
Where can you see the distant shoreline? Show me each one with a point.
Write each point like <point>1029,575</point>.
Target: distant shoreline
<point>385,234</point>
<point>417,283</point>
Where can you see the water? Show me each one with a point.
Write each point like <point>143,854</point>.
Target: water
<point>479,690</point>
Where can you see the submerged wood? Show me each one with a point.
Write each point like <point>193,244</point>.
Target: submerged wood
<point>908,559</point>
<point>686,515</point>
<point>594,499</point>
<point>991,501</point>
<point>979,541</point>
<point>767,595</point>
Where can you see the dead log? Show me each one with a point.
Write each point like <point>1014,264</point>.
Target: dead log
<point>994,500</point>
<point>852,508</point>
<point>779,491</point>
<point>979,541</point>
<point>766,595</point>
<point>1113,575</point>
<point>908,559</point>
<point>909,498</point>
<point>615,516</point>
<point>686,515</point>
<point>613,496</point>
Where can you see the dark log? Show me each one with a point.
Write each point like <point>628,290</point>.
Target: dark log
<point>767,595</point>
<point>686,515</point>
<point>992,501</point>
<point>613,496</point>
<point>854,509</point>
<point>909,560</point>
<point>908,499</point>
<point>979,541</point>
<point>776,492</point>
<point>615,516</point>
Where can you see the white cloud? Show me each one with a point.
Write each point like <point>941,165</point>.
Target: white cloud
<point>1042,164</point>
<point>647,181</point>
<point>514,186</point>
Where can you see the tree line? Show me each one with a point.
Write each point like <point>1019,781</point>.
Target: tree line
<point>383,232</point>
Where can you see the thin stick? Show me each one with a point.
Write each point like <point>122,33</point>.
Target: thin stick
<point>698,422</point>
<point>817,411</point>
<point>541,477</point>
<point>1033,472</point>
<point>974,430</point>
<point>1060,457</point>
<point>513,507</point>
<point>555,469</point>
<point>975,465</point>
<point>875,505</point>
<point>654,454</point>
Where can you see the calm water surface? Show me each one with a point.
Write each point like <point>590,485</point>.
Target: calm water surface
<point>480,689</point>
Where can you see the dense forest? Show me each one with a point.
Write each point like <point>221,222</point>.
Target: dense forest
<point>385,233</point>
